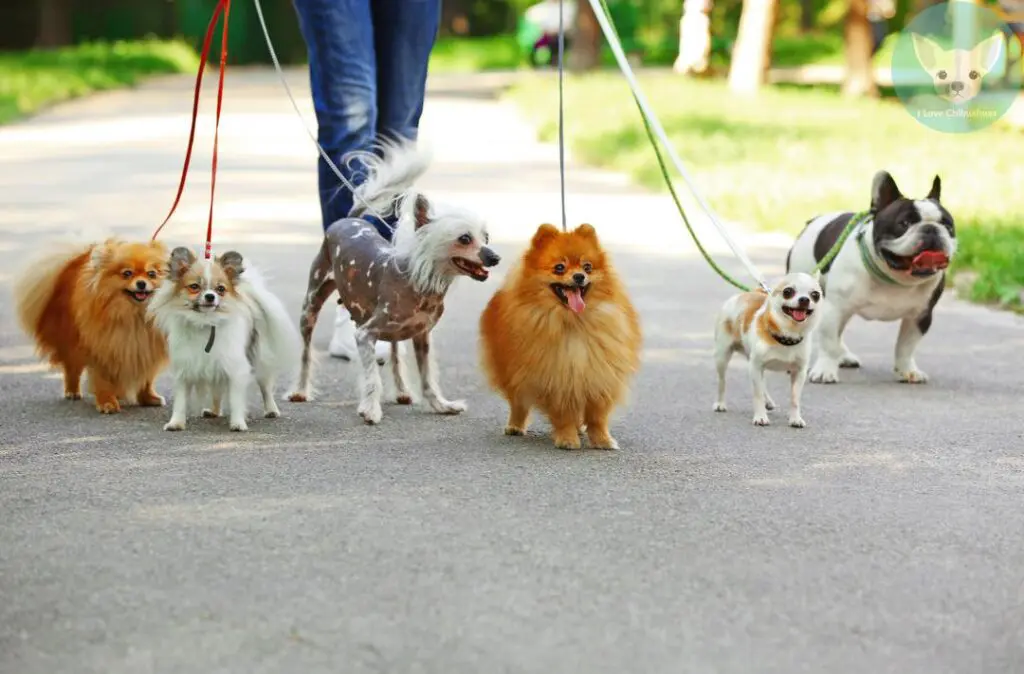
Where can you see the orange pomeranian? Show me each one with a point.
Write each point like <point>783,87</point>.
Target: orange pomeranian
<point>561,335</point>
<point>85,307</point>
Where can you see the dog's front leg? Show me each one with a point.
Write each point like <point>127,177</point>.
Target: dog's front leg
<point>428,377</point>
<point>270,408</point>
<point>237,386</point>
<point>906,343</point>
<point>179,411</point>
<point>830,345</point>
<point>370,381</point>
<point>760,396</point>
<point>402,394</point>
<point>797,376</point>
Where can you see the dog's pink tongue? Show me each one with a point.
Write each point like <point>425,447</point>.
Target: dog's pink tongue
<point>799,314</point>
<point>930,259</point>
<point>575,298</point>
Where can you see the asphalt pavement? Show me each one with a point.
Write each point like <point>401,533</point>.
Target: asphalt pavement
<point>884,537</point>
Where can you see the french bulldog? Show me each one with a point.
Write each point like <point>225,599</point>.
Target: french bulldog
<point>891,268</point>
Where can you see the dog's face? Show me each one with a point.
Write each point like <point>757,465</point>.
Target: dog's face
<point>129,270</point>
<point>205,285</point>
<point>796,297</point>
<point>958,73</point>
<point>457,237</point>
<point>569,265</point>
<point>914,237</point>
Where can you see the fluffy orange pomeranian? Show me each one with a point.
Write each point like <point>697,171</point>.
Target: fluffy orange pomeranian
<point>85,308</point>
<point>562,336</point>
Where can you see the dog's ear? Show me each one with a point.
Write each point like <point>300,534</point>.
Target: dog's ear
<point>927,52</point>
<point>181,260</point>
<point>936,189</point>
<point>587,231</point>
<point>544,233</point>
<point>987,53</point>
<point>232,263</point>
<point>883,191</point>
<point>102,252</point>
<point>422,211</point>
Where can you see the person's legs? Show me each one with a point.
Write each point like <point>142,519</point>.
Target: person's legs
<point>343,79</point>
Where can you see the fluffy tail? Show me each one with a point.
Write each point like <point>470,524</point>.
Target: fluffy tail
<point>37,282</point>
<point>390,174</point>
<point>280,342</point>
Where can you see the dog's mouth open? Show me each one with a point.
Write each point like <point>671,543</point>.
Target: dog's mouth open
<point>139,296</point>
<point>924,263</point>
<point>474,270</point>
<point>798,314</point>
<point>571,296</point>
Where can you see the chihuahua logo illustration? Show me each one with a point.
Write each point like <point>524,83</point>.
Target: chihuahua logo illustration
<point>958,73</point>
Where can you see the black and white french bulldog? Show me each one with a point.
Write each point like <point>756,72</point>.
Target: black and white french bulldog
<point>891,268</point>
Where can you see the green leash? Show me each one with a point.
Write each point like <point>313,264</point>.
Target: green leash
<point>825,261</point>
<point>869,262</point>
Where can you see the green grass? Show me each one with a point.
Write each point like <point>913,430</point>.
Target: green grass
<point>475,54</point>
<point>773,162</point>
<point>32,80</point>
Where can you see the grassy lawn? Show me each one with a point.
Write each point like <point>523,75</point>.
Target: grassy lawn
<point>32,80</point>
<point>774,162</point>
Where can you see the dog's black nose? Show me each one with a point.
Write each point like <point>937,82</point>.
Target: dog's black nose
<point>579,278</point>
<point>804,301</point>
<point>141,285</point>
<point>957,86</point>
<point>489,257</point>
<point>209,297</point>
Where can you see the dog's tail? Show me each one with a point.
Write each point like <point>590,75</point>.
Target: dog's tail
<point>280,344</point>
<point>391,171</point>
<point>36,283</point>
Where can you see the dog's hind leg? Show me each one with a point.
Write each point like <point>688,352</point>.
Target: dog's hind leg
<point>723,354</point>
<point>321,285</point>
<point>402,394</point>
<point>72,379</point>
<point>428,377</point>
<point>266,384</point>
<point>370,381</point>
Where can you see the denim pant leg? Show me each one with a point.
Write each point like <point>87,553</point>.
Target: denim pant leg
<point>343,79</point>
<point>404,32</point>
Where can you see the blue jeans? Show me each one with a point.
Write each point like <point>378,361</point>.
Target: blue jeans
<point>368,73</point>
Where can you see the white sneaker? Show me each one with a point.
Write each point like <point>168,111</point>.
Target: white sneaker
<point>343,343</point>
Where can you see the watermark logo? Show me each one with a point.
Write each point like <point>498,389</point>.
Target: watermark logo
<point>957,66</point>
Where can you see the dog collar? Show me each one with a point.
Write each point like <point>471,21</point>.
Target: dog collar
<point>869,261</point>
<point>786,341</point>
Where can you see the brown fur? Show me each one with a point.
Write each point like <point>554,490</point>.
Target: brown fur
<point>74,305</point>
<point>575,368</point>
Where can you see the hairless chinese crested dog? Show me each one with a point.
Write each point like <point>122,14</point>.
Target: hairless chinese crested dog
<point>395,292</point>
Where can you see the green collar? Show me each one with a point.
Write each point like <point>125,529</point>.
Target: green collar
<point>869,261</point>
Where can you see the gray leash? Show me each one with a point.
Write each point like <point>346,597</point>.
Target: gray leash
<point>561,107</point>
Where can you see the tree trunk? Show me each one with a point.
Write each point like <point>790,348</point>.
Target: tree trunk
<point>752,55</point>
<point>860,75</point>
<point>807,18</point>
<point>585,53</point>
<point>54,24</point>
<point>694,38</point>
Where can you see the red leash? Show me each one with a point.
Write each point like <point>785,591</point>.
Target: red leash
<point>223,7</point>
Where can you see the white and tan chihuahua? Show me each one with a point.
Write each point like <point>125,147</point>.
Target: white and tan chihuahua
<point>224,328</point>
<point>773,332</point>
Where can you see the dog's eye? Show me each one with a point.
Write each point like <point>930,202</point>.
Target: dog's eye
<point>559,268</point>
<point>151,274</point>
<point>194,287</point>
<point>973,74</point>
<point>221,290</point>
<point>815,295</point>
<point>465,239</point>
<point>127,273</point>
<point>788,293</point>
<point>587,267</point>
<point>942,74</point>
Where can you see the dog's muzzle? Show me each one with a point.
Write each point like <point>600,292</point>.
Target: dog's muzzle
<point>488,257</point>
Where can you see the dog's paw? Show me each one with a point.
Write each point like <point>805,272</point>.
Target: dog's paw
<point>442,406</point>
<point>403,399</point>
<point>272,414</point>
<point>823,375</point>
<point>371,412</point>
<point>299,397</point>
<point>761,420</point>
<point>154,400</point>
<point>108,407</point>
<point>514,430</point>
<point>769,404</point>
<point>174,425</point>
<point>238,426</point>
<point>719,407</point>
<point>849,361</point>
<point>797,421</point>
<point>568,442</point>
<point>607,442</point>
<point>210,414</point>
<point>912,376</point>
<point>72,395</point>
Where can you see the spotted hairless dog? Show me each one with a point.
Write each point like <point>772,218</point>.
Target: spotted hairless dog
<point>394,292</point>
